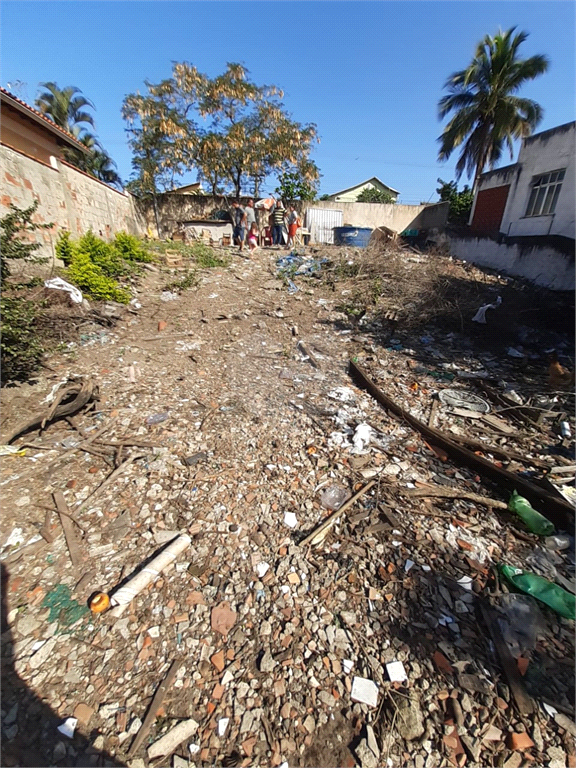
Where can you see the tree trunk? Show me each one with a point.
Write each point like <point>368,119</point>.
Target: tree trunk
<point>482,160</point>
<point>155,204</point>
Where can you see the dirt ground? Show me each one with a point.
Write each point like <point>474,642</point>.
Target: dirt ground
<point>236,412</point>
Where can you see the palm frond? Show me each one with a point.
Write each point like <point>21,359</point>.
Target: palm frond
<point>487,115</point>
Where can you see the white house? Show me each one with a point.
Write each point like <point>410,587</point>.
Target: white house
<point>523,216</point>
<point>350,195</point>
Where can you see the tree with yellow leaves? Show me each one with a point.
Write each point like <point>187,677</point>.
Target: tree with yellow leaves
<point>233,132</point>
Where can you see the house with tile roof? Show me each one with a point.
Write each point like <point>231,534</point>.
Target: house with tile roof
<point>34,168</point>
<point>28,131</point>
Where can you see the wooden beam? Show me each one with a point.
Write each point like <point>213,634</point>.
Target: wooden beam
<point>556,509</point>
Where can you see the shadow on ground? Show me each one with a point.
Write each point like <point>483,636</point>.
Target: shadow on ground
<point>29,727</point>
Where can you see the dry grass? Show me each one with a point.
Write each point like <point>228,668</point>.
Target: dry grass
<point>421,288</point>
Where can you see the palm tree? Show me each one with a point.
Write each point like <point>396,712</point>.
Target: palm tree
<point>98,163</point>
<point>488,115</point>
<point>103,167</point>
<point>65,107</point>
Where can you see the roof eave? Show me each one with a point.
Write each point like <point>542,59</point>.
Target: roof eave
<point>354,186</point>
<point>44,122</point>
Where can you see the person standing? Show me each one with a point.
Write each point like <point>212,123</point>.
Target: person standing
<point>239,224</point>
<point>278,216</point>
<point>250,215</point>
<point>293,224</point>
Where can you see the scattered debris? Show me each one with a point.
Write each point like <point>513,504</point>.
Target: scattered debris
<point>371,641</point>
<point>168,743</point>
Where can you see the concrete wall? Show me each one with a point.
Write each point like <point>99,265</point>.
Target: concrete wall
<point>70,199</point>
<point>174,209</point>
<point>541,153</point>
<point>393,216</point>
<point>542,264</point>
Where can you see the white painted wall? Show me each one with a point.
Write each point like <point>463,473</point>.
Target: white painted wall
<point>393,216</point>
<point>542,265</point>
<point>547,151</point>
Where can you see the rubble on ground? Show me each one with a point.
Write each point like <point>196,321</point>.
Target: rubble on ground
<point>237,423</point>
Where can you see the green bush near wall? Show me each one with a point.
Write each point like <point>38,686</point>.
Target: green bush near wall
<point>95,266</point>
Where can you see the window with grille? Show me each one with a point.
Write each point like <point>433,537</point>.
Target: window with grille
<point>544,194</point>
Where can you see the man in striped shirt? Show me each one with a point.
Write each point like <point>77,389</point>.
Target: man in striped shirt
<point>278,216</point>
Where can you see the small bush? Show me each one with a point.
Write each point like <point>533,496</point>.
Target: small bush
<point>21,347</point>
<point>94,265</point>
<point>130,248</point>
<point>103,254</point>
<point>92,280</point>
<point>65,248</point>
<point>206,257</point>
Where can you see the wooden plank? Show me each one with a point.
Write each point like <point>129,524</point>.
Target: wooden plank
<point>433,412</point>
<point>523,701</point>
<point>499,424</point>
<point>331,519</point>
<point>154,707</point>
<point>558,510</point>
<point>464,413</point>
<point>69,530</point>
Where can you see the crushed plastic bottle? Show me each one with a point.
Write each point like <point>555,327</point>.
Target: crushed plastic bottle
<point>520,621</point>
<point>558,542</point>
<point>548,593</point>
<point>157,418</point>
<point>535,522</point>
<point>333,497</point>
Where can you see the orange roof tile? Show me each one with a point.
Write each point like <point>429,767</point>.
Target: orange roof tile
<point>39,117</point>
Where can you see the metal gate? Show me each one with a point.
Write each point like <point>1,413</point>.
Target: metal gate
<point>321,222</point>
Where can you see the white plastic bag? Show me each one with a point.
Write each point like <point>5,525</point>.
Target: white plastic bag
<point>480,316</point>
<point>61,285</point>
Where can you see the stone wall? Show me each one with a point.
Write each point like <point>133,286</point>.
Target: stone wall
<point>68,198</point>
<point>175,209</point>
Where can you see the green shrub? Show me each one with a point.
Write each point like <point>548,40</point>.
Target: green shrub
<point>103,254</point>
<point>13,225</point>
<point>93,264</point>
<point>130,248</point>
<point>20,345</point>
<point>93,281</point>
<point>65,248</point>
<point>206,257</point>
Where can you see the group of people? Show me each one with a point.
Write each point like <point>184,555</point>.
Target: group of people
<point>246,227</point>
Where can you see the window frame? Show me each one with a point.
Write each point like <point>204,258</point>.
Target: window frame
<point>544,193</point>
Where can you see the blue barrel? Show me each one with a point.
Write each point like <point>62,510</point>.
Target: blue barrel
<point>358,237</point>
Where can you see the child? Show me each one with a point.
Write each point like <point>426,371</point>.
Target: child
<point>293,224</point>
<point>253,237</point>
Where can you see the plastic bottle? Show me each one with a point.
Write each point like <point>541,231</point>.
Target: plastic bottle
<point>548,593</point>
<point>334,497</point>
<point>535,522</point>
<point>559,542</point>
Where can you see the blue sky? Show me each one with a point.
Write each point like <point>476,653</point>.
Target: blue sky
<point>369,74</point>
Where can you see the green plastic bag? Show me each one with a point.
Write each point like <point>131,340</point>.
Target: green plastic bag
<point>546,591</point>
<point>535,522</point>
